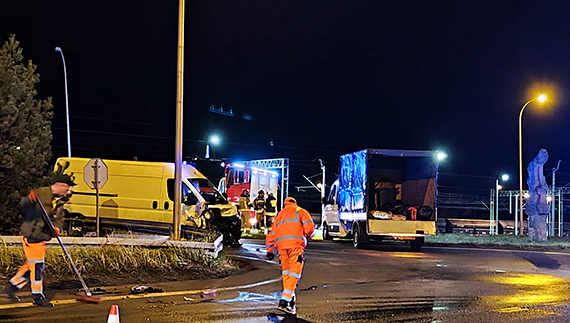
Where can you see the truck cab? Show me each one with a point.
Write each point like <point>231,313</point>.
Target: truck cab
<point>331,224</point>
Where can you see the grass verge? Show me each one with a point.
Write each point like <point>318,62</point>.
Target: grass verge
<point>250,235</point>
<point>484,241</point>
<point>108,264</point>
<point>502,240</point>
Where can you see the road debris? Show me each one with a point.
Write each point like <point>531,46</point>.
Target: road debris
<point>145,289</point>
<point>211,293</point>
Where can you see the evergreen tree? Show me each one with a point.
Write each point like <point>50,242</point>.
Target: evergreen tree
<point>25,133</point>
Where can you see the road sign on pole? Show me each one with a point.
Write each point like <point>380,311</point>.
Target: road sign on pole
<point>95,175</point>
<point>95,168</point>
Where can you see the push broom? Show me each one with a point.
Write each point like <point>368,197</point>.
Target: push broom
<point>88,297</point>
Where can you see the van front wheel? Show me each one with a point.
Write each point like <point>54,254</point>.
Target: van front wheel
<point>326,235</point>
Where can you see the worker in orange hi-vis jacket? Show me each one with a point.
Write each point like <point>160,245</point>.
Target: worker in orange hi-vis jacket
<point>289,233</point>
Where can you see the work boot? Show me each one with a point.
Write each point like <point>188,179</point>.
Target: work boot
<point>41,301</point>
<point>11,291</point>
<point>282,305</point>
<point>286,307</point>
<point>292,308</point>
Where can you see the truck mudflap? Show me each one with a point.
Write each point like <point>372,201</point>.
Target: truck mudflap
<point>404,230</point>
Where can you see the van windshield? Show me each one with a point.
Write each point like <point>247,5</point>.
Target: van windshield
<point>208,191</point>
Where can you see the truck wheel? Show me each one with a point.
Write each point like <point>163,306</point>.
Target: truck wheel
<point>357,237</point>
<point>326,235</point>
<point>416,245</point>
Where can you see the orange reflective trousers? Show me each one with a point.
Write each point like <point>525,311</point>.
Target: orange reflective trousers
<point>33,269</point>
<point>292,261</point>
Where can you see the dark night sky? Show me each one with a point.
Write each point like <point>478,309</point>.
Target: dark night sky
<point>320,78</point>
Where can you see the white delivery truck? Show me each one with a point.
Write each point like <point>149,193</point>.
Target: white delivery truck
<point>383,194</point>
<point>140,195</point>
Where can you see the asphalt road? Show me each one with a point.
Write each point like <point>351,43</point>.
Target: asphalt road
<point>385,283</point>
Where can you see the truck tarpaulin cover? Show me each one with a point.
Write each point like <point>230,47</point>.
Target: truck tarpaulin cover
<point>353,180</point>
<point>414,170</point>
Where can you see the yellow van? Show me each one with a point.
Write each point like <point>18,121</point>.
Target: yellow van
<point>140,195</point>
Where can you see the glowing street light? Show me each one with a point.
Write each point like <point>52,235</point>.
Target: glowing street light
<point>541,98</point>
<point>214,140</point>
<point>440,156</point>
<point>526,196</point>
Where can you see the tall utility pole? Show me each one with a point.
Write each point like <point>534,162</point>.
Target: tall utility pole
<point>179,109</point>
<point>323,188</point>
<point>57,49</point>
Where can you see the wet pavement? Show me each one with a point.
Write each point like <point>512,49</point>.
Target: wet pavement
<point>385,283</point>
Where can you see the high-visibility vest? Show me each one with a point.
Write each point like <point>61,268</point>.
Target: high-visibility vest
<point>290,229</point>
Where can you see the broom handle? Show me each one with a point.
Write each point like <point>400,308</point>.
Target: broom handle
<point>48,221</point>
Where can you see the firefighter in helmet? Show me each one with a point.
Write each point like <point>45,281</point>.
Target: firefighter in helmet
<point>244,206</point>
<point>259,207</point>
<point>270,209</point>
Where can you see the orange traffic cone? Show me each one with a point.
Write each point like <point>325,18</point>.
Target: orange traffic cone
<point>113,314</point>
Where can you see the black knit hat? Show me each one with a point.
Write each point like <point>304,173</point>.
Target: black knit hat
<point>64,178</point>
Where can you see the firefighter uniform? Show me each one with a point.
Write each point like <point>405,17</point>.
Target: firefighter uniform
<point>244,206</point>
<point>289,233</point>
<point>270,209</point>
<point>259,206</point>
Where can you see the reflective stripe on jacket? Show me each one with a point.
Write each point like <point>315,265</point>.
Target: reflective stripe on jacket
<point>290,229</point>
<point>244,204</point>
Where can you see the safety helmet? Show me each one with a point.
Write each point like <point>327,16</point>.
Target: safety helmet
<point>261,192</point>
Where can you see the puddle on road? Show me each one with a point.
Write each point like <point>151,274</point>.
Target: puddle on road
<point>525,296</point>
<point>416,309</point>
<point>528,295</point>
<point>532,294</point>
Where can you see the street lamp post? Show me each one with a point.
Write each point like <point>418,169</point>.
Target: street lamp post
<point>58,49</point>
<point>214,140</point>
<point>498,187</point>
<point>541,98</point>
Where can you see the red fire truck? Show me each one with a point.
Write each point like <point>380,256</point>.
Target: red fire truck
<point>238,176</point>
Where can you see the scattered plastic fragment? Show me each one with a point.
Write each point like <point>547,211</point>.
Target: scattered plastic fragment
<point>98,290</point>
<point>211,293</point>
<point>145,289</point>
